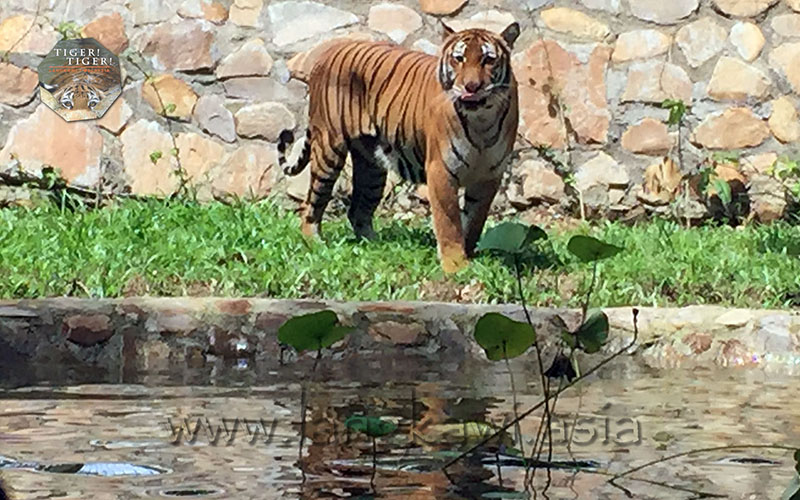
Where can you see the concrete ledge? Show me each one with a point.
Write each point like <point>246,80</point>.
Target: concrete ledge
<point>151,333</point>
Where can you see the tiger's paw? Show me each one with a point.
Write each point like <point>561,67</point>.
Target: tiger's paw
<point>311,230</point>
<point>453,261</point>
<point>365,232</point>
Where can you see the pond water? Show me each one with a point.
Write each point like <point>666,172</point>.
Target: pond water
<point>69,432</point>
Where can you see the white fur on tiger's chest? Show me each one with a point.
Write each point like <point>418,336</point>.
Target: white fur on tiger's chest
<point>479,147</point>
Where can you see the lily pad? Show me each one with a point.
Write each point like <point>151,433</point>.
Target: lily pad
<point>593,333</point>
<point>312,331</point>
<point>510,237</point>
<point>590,249</point>
<point>371,426</point>
<point>502,337</point>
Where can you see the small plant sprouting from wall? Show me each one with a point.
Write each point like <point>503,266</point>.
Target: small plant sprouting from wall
<point>166,109</point>
<point>677,111</point>
<point>69,30</point>
<point>724,194</point>
<point>787,171</point>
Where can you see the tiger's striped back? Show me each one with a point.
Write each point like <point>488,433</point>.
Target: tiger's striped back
<point>375,90</point>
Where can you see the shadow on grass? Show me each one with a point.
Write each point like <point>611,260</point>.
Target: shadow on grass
<point>780,238</point>
<point>539,256</point>
<point>405,232</point>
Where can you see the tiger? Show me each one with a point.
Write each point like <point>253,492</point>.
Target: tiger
<point>448,121</point>
<point>83,91</point>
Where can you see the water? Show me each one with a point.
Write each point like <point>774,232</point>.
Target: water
<point>68,432</point>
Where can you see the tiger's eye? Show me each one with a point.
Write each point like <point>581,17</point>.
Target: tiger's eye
<point>458,58</point>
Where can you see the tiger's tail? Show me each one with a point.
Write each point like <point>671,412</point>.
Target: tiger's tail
<point>285,140</point>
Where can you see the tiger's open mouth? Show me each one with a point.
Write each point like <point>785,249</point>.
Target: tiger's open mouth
<point>472,96</point>
<point>473,100</point>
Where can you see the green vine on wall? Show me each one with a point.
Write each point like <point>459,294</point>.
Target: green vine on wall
<point>185,188</point>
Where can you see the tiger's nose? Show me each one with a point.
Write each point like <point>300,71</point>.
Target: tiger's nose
<point>472,87</point>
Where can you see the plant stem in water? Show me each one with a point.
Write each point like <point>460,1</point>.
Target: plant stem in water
<point>374,462</point>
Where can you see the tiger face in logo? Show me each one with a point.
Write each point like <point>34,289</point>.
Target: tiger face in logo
<point>82,95</point>
<point>448,121</point>
<point>79,79</point>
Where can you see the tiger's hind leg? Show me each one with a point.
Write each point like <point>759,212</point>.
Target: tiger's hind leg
<point>369,179</point>
<point>328,156</point>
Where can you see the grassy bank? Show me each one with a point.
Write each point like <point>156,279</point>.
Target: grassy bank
<point>158,248</point>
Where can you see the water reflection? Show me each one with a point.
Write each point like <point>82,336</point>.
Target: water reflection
<point>225,432</point>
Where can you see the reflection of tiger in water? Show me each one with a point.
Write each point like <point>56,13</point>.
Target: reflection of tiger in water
<point>450,122</point>
<point>82,91</point>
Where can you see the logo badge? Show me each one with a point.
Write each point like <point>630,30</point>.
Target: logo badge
<point>79,79</point>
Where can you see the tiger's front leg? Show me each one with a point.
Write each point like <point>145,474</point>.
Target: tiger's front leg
<point>443,196</point>
<point>477,202</point>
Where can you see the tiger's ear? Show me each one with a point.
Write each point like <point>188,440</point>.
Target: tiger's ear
<point>510,34</point>
<point>446,30</point>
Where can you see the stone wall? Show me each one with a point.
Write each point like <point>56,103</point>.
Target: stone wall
<point>593,74</point>
<point>156,333</point>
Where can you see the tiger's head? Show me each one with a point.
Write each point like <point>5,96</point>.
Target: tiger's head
<point>80,97</point>
<point>79,93</point>
<point>475,65</point>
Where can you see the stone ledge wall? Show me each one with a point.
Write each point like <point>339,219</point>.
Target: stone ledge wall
<point>152,333</point>
<point>592,72</point>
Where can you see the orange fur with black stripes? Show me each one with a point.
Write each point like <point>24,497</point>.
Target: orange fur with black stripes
<point>82,91</point>
<point>448,121</point>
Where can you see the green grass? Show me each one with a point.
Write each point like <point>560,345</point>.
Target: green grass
<point>162,248</point>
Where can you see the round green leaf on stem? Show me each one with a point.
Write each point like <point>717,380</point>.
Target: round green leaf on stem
<point>590,249</point>
<point>592,334</point>
<point>501,337</point>
<point>510,238</point>
<point>312,331</point>
<point>371,426</point>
